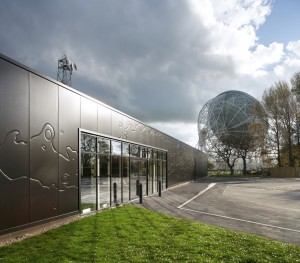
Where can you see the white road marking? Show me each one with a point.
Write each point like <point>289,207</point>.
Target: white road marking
<point>202,192</point>
<point>178,185</point>
<point>241,220</point>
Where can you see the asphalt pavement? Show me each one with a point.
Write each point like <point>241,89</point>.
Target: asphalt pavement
<point>268,207</point>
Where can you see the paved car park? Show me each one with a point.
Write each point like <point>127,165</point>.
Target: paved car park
<point>268,207</point>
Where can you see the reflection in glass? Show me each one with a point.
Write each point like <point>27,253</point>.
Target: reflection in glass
<point>103,146</point>
<point>138,175</point>
<point>144,152</point>
<point>125,149</point>
<point>135,150</point>
<point>88,182</point>
<point>143,175</point>
<point>116,183</point>
<point>112,170</point>
<point>164,175</point>
<point>125,179</point>
<point>116,148</point>
<point>154,154</point>
<point>150,176</point>
<point>104,181</point>
<point>88,143</point>
<point>159,171</point>
<point>134,178</point>
<point>155,179</point>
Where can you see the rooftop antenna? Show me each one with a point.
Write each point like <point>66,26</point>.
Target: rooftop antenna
<point>65,69</point>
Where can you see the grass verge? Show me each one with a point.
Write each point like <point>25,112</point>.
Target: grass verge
<point>131,234</point>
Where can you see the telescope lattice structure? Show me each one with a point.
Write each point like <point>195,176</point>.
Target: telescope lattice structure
<point>227,118</point>
<point>65,69</point>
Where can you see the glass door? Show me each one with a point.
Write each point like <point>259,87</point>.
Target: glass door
<point>134,178</point>
<point>104,181</point>
<point>143,175</point>
<point>88,182</point>
<point>125,180</point>
<point>116,180</point>
<point>138,175</point>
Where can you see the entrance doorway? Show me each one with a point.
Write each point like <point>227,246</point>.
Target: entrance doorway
<point>111,171</point>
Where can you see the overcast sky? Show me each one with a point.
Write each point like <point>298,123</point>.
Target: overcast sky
<point>159,61</point>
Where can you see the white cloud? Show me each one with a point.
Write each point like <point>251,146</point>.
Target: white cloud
<point>294,46</point>
<point>290,63</point>
<point>233,25</point>
<point>287,68</point>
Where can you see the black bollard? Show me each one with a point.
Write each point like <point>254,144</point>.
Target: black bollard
<point>115,192</point>
<point>159,188</point>
<point>137,187</point>
<point>141,193</point>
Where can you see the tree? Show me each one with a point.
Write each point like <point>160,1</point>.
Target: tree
<point>226,153</point>
<point>295,82</point>
<point>280,106</point>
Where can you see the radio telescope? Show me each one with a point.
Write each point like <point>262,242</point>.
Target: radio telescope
<point>65,69</point>
<point>227,119</point>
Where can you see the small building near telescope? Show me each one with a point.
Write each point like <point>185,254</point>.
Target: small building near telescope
<point>63,152</point>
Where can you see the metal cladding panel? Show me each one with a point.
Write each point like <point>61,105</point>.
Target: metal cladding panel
<point>181,166</point>
<point>127,129</point>
<point>117,125</point>
<point>104,120</point>
<point>43,148</point>
<point>200,164</point>
<point>14,146</point>
<point>69,122</point>
<point>14,97</point>
<point>14,202</point>
<point>133,130</point>
<point>89,112</point>
<point>144,133</point>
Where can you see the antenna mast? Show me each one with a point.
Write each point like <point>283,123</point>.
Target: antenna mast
<point>65,69</point>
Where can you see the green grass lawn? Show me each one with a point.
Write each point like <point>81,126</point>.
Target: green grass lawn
<point>131,234</point>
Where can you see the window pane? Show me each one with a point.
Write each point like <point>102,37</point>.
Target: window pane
<point>88,143</point>
<point>116,148</point>
<point>103,146</point>
<point>143,175</point>
<point>125,149</point>
<point>144,152</point>
<point>154,154</point>
<point>88,182</point>
<point>116,183</point>
<point>104,181</point>
<point>134,178</point>
<point>155,178</point>
<point>135,150</point>
<point>125,179</point>
<point>150,153</point>
<point>161,155</point>
<point>164,175</point>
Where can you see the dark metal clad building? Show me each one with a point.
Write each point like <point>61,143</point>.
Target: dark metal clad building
<point>62,152</point>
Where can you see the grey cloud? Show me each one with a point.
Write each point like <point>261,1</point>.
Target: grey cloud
<point>146,58</point>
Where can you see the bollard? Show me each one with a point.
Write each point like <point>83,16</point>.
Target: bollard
<point>159,188</point>
<point>141,193</point>
<point>137,187</point>
<point>115,192</point>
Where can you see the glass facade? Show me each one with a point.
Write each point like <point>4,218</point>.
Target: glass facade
<point>112,171</point>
